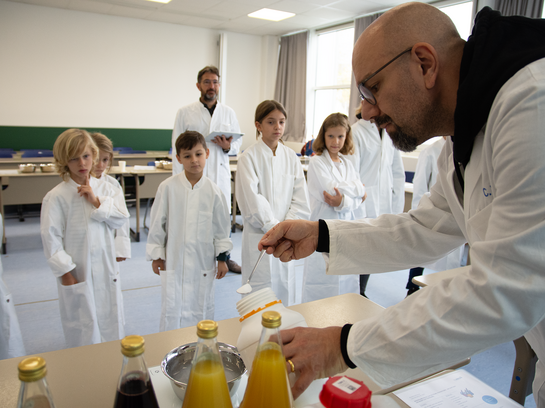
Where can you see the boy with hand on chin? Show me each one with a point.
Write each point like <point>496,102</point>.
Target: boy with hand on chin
<point>77,224</point>
<point>189,233</point>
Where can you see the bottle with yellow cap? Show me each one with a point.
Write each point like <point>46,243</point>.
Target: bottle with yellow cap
<point>134,388</point>
<point>268,384</point>
<point>207,385</point>
<point>34,391</point>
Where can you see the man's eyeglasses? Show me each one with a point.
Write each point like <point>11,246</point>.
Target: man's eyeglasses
<point>207,82</point>
<point>365,93</point>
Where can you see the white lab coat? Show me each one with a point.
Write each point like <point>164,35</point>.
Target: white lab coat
<point>381,170</point>
<point>501,296</point>
<point>189,228</point>
<point>79,238</point>
<point>425,176</point>
<point>11,339</point>
<point>196,117</point>
<point>270,188</point>
<point>324,175</point>
<point>123,234</point>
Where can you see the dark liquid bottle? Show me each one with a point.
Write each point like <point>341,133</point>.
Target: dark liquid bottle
<point>134,389</point>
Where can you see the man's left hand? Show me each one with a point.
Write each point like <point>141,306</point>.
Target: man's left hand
<point>223,142</point>
<point>315,353</point>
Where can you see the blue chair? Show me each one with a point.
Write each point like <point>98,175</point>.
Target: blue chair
<point>7,149</point>
<point>6,155</point>
<point>132,152</point>
<point>37,153</point>
<point>122,148</point>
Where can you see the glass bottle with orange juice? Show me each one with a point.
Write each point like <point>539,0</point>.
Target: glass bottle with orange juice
<point>268,385</point>
<point>207,385</point>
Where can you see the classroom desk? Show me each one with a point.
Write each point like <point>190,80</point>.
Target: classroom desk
<point>23,188</point>
<point>87,376</point>
<point>131,159</point>
<point>148,188</point>
<point>141,159</point>
<point>31,188</point>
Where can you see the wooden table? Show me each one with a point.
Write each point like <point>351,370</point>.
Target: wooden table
<point>87,376</point>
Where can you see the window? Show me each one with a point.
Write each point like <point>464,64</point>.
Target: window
<point>460,14</point>
<point>331,90</point>
<point>330,53</point>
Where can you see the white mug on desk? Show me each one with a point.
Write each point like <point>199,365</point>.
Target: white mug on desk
<point>122,165</point>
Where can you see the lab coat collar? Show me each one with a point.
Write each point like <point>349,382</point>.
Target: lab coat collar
<point>268,151</point>
<point>73,184</point>
<point>334,170</point>
<point>186,183</point>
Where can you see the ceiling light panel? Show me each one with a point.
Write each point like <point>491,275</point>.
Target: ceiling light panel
<point>270,14</point>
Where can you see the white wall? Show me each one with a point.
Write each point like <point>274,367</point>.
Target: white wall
<point>68,68</point>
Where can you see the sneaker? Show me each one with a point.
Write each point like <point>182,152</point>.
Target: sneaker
<point>233,266</point>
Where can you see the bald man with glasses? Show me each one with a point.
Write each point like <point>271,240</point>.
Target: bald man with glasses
<point>418,79</point>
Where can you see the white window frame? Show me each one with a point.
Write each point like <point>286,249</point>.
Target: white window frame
<point>312,62</point>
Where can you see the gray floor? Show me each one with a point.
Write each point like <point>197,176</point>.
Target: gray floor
<point>35,296</point>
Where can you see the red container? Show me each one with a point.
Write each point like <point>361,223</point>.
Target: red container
<point>345,392</point>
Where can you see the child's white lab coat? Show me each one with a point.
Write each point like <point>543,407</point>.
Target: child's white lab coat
<point>123,234</point>
<point>270,188</point>
<point>11,339</point>
<point>381,170</point>
<point>189,229</point>
<point>324,175</point>
<point>79,238</point>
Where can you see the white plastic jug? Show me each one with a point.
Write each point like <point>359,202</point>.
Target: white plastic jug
<point>250,309</point>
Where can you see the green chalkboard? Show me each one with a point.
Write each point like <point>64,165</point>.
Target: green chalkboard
<point>30,137</point>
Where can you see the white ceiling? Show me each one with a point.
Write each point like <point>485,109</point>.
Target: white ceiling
<point>230,15</point>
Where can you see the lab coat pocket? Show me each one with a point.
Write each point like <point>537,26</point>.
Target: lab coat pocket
<point>78,315</point>
<point>170,314</point>
<point>206,291</point>
<point>477,225</point>
<point>205,227</point>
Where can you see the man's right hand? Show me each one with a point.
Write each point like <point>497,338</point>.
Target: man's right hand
<point>291,239</point>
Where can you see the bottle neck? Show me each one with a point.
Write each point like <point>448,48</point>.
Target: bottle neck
<point>207,349</point>
<point>133,369</point>
<point>35,394</point>
<point>269,335</point>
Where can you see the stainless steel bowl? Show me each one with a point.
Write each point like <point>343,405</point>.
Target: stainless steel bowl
<point>177,365</point>
<point>47,168</point>
<point>158,164</point>
<point>27,168</point>
<point>167,165</point>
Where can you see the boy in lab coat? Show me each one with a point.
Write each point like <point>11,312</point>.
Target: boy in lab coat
<point>189,233</point>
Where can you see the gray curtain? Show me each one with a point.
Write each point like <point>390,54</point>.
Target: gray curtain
<point>360,24</point>
<point>526,8</point>
<point>291,84</point>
